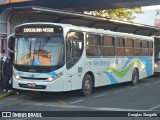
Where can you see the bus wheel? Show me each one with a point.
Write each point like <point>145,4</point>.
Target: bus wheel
<point>86,85</point>
<point>135,77</point>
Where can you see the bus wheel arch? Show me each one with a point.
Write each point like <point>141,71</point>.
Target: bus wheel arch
<point>135,76</point>
<point>87,84</point>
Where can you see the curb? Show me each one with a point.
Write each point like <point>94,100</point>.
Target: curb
<point>5,95</point>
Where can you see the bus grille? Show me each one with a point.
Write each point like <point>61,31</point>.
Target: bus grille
<point>33,70</point>
<point>36,87</point>
<point>34,78</point>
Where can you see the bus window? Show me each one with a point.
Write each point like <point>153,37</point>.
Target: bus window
<point>93,45</point>
<point>150,48</point>
<point>129,47</point>
<point>137,47</point>
<point>145,48</point>
<point>108,44</point>
<point>120,46</point>
<point>74,47</point>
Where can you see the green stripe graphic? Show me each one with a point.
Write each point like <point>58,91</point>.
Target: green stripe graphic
<point>124,72</point>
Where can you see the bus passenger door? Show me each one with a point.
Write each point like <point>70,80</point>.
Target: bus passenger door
<point>74,59</point>
<point>74,67</point>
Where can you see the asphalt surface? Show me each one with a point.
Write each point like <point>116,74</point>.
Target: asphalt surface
<point>124,97</point>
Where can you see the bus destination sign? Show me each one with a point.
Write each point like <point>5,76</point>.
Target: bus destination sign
<point>38,29</point>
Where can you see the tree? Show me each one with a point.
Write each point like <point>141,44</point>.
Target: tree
<point>123,14</point>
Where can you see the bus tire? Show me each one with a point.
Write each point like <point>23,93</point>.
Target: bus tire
<point>135,77</point>
<point>87,85</point>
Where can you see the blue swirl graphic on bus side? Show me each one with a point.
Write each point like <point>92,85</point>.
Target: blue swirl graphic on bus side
<point>116,61</point>
<point>147,62</point>
<point>112,79</point>
<point>128,61</point>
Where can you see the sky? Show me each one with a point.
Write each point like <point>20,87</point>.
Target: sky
<point>148,17</point>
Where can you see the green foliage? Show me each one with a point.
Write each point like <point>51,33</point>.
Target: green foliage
<point>122,14</point>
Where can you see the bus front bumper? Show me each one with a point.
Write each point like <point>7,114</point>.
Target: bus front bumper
<point>34,85</point>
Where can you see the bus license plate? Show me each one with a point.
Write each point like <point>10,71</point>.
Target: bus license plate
<point>31,85</point>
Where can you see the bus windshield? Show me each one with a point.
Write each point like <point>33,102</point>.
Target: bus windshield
<point>40,50</point>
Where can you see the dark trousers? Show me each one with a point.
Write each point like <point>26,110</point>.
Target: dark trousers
<point>7,85</point>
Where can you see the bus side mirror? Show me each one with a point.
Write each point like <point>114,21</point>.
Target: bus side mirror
<point>11,44</point>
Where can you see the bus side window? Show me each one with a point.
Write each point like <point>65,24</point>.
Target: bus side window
<point>74,47</point>
<point>120,46</point>
<point>93,45</point>
<point>137,47</point>
<point>129,51</point>
<point>150,48</point>
<point>108,46</point>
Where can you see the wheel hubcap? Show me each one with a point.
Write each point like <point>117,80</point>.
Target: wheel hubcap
<point>87,85</point>
<point>135,78</point>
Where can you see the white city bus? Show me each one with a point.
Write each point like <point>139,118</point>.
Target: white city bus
<point>62,57</point>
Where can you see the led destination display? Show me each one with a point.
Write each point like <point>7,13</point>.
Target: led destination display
<point>38,29</point>
<point>51,30</point>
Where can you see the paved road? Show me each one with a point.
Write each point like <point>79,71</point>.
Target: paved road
<point>122,97</point>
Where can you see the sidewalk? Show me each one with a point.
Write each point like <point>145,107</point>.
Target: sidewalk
<point>4,94</point>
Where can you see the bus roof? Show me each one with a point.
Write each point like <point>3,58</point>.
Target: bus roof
<point>91,30</point>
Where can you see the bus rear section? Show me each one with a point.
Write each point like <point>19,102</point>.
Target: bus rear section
<point>157,55</point>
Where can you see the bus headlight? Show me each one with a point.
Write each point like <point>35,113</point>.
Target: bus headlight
<point>50,79</point>
<point>155,65</point>
<point>17,77</point>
